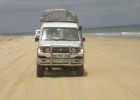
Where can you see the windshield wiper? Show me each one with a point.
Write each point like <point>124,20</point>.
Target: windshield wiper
<point>60,39</point>
<point>49,38</point>
<point>67,39</point>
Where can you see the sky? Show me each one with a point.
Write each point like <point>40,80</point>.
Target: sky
<point>24,15</point>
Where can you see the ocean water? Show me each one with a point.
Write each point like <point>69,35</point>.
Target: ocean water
<point>132,31</point>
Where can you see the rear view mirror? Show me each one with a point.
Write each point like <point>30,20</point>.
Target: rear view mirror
<point>84,39</point>
<point>36,39</point>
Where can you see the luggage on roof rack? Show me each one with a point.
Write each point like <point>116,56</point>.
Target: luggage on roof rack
<point>59,15</point>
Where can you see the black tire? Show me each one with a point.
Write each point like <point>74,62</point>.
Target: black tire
<point>66,68</point>
<point>35,39</point>
<point>49,69</point>
<point>80,71</point>
<point>40,70</point>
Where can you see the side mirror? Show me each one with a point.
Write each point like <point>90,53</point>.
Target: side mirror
<point>36,39</point>
<point>84,39</point>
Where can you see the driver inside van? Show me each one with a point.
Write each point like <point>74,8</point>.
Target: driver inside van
<point>53,33</point>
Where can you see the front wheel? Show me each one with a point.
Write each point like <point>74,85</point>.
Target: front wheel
<point>40,70</point>
<point>80,71</point>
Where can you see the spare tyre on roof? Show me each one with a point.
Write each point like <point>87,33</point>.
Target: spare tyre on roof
<point>59,15</point>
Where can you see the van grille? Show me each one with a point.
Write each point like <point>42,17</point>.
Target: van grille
<point>60,50</point>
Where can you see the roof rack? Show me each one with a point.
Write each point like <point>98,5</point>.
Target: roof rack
<point>59,15</point>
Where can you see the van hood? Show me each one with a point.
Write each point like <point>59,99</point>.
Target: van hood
<point>60,43</point>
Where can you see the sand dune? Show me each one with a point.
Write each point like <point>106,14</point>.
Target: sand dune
<point>112,71</point>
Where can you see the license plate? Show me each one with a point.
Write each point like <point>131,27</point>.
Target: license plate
<point>60,61</point>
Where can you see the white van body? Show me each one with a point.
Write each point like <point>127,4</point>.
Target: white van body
<point>60,46</point>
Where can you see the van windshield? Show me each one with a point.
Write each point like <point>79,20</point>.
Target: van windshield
<point>60,34</point>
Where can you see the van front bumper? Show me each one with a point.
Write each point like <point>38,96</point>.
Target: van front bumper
<point>60,59</point>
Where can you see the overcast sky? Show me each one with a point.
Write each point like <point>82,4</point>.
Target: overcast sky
<point>24,15</point>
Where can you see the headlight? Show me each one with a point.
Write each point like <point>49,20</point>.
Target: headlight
<point>44,49</point>
<point>75,50</point>
<point>47,50</point>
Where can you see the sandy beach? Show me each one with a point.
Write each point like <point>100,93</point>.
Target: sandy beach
<point>112,71</point>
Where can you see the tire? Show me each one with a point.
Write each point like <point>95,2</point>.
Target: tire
<point>40,70</point>
<point>66,68</point>
<point>35,39</point>
<point>80,71</point>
